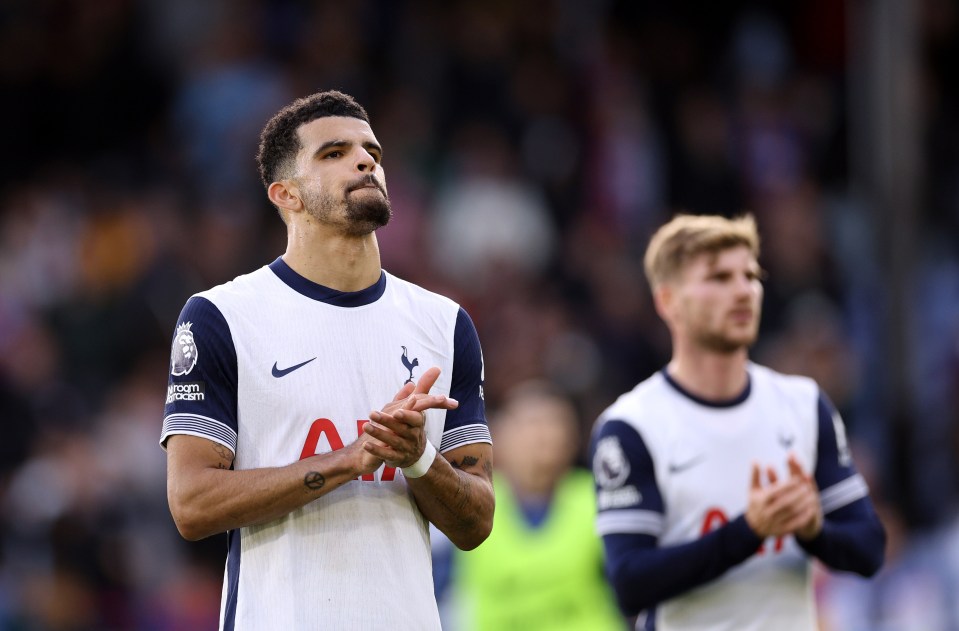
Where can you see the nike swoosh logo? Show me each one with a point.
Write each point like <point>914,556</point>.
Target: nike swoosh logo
<point>682,466</point>
<point>786,441</point>
<point>278,372</point>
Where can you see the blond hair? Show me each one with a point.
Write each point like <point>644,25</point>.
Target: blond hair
<point>685,237</point>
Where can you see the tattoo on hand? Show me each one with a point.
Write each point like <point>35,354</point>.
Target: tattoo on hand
<point>314,480</point>
<point>468,461</point>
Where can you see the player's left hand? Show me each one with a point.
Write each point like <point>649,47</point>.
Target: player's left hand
<point>400,425</point>
<point>811,526</point>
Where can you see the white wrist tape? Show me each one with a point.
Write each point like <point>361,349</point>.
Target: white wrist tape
<point>419,468</point>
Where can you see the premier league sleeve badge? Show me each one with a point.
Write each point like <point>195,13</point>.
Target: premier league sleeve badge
<point>184,355</point>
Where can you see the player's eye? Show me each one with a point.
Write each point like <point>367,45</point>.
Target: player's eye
<point>332,155</point>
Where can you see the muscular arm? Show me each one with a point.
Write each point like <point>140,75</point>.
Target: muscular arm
<point>207,497</point>
<point>457,494</point>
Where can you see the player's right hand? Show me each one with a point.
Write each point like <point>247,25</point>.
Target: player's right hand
<point>363,461</point>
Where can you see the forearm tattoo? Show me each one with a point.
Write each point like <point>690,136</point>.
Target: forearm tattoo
<point>314,480</point>
<point>468,461</point>
<point>460,504</point>
<point>226,456</point>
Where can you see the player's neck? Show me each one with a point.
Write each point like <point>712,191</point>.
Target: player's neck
<point>710,375</point>
<point>340,262</point>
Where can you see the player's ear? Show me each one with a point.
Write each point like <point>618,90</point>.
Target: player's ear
<point>285,195</point>
<point>663,298</point>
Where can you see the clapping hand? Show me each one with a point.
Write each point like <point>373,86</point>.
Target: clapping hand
<point>399,428</point>
<point>785,507</point>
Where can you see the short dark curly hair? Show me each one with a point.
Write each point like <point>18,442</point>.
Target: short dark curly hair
<point>279,142</point>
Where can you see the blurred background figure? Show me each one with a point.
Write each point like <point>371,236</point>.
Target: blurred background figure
<point>542,567</point>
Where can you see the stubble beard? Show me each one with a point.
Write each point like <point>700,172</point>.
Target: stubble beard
<point>724,343</point>
<point>362,214</point>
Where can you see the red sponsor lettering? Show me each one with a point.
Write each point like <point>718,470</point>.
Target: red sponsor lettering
<point>320,427</point>
<point>777,546</point>
<point>715,517</point>
<point>325,427</point>
<point>388,472</point>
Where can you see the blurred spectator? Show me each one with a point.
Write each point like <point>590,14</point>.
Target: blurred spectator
<point>912,592</point>
<point>228,91</point>
<point>541,568</point>
<point>486,219</point>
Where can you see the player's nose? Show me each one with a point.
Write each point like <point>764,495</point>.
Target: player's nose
<point>365,162</point>
<point>744,284</point>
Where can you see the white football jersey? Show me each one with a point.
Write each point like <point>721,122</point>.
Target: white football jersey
<point>702,455</point>
<point>277,368</point>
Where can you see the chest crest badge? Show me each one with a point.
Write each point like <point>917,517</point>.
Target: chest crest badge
<point>408,364</point>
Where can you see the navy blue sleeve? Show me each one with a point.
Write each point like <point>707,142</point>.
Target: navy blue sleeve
<point>852,538</point>
<point>834,463</point>
<point>642,573</point>
<point>202,387</point>
<point>467,423</point>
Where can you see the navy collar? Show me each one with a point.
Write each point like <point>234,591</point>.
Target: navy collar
<point>727,403</point>
<point>324,294</point>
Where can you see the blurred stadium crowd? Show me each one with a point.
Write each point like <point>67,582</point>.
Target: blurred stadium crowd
<point>530,148</point>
